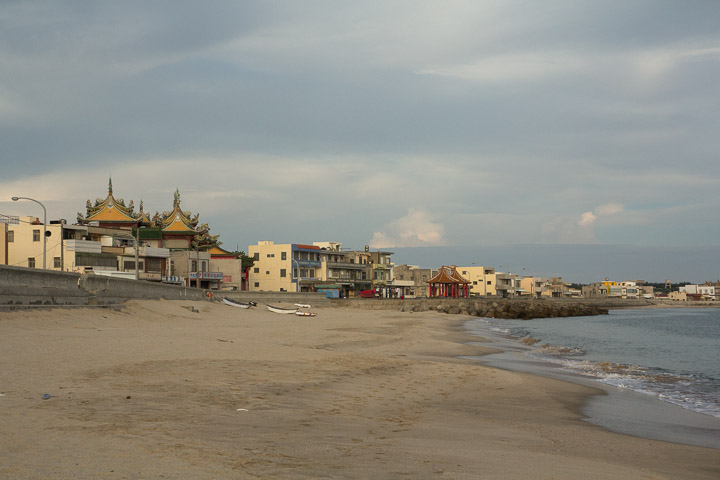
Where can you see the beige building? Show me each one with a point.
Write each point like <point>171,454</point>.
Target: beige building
<point>413,280</point>
<point>81,248</point>
<point>23,244</point>
<point>322,266</point>
<point>286,267</point>
<point>482,280</point>
<point>533,286</point>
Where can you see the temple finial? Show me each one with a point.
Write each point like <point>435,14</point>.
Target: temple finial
<point>110,185</point>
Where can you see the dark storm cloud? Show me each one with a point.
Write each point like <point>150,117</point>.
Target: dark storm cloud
<point>525,119</point>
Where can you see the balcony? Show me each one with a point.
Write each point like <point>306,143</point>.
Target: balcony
<point>83,246</point>
<point>352,266</point>
<point>206,275</point>
<point>146,251</point>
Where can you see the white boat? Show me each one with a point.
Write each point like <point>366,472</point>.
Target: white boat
<point>235,303</point>
<point>282,310</point>
<point>305,314</point>
<point>302,305</point>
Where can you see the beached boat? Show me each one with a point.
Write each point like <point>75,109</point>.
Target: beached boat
<point>302,305</point>
<point>281,310</point>
<point>305,314</point>
<point>235,303</point>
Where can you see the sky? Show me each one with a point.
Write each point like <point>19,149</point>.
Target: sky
<point>393,124</point>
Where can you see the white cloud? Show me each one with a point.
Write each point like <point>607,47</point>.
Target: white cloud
<point>587,219</point>
<point>511,67</point>
<point>414,230</point>
<point>609,209</point>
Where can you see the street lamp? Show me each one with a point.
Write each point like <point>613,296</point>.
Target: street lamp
<point>15,199</point>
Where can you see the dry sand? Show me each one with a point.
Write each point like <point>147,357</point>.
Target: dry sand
<point>159,391</point>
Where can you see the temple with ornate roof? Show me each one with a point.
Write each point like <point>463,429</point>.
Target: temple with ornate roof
<point>112,212</point>
<point>177,232</point>
<point>449,283</point>
<point>173,229</point>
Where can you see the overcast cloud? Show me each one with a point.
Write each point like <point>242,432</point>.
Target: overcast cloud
<point>390,123</point>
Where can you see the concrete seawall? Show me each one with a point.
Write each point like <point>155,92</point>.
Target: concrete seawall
<point>26,287</point>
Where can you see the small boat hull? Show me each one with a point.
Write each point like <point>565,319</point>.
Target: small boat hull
<point>281,310</point>
<point>305,314</point>
<point>234,303</point>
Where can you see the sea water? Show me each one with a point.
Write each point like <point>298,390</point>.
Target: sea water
<point>672,354</point>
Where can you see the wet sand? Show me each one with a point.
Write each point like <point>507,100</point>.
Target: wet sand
<point>159,391</point>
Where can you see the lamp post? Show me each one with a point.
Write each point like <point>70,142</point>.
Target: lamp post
<point>15,199</point>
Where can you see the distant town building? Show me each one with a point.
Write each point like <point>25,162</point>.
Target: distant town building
<point>322,266</point>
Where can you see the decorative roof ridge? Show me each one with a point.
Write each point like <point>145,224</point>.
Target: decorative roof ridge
<point>448,274</point>
<point>109,202</point>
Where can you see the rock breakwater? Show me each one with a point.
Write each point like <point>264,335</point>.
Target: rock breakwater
<point>490,308</point>
<point>522,309</point>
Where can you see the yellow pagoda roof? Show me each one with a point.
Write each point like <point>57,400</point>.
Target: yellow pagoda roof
<point>176,220</point>
<point>111,210</point>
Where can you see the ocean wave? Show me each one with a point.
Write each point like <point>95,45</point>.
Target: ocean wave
<point>689,392</point>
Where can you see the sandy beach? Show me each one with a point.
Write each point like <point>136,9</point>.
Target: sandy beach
<point>185,390</point>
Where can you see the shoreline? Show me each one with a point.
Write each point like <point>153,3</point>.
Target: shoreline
<point>618,410</point>
<point>195,389</point>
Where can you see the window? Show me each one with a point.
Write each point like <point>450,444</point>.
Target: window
<point>312,273</point>
<point>56,262</point>
<point>489,282</point>
<point>193,268</point>
<point>31,262</point>
<point>474,283</point>
<point>154,265</point>
<point>267,272</point>
<point>283,273</point>
<point>283,255</point>
<point>256,257</point>
<point>257,284</point>
<point>36,235</point>
<point>11,236</point>
<point>256,270</point>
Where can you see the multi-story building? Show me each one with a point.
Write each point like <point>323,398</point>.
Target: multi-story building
<point>24,244</point>
<point>231,266</point>
<point>705,292</point>
<point>340,272</point>
<point>506,284</point>
<point>322,266</point>
<point>413,280</point>
<point>611,289</point>
<point>482,280</point>
<point>533,286</point>
<point>285,267</point>
<point>382,269</point>
<point>82,248</point>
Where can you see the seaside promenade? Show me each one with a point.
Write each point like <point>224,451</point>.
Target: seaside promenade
<point>195,389</point>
